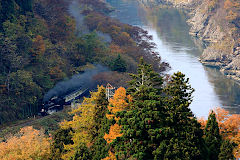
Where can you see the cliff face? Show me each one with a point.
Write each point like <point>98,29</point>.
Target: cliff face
<point>217,23</point>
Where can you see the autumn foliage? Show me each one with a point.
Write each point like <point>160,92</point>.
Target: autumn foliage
<point>28,144</point>
<point>229,127</point>
<point>118,103</point>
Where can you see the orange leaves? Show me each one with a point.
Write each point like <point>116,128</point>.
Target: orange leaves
<point>229,126</point>
<point>29,144</point>
<point>56,73</point>
<point>111,156</point>
<point>116,49</point>
<point>114,132</point>
<point>221,114</point>
<point>231,6</point>
<point>118,102</point>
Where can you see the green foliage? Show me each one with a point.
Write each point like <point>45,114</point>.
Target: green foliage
<point>7,10</point>
<point>212,137</point>
<point>182,133</point>
<point>143,122</point>
<point>101,125</point>
<point>26,5</point>
<point>81,153</point>
<point>226,150</point>
<point>61,137</point>
<point>119,64</point>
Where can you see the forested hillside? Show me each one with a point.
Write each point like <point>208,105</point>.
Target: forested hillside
<point>150,120</point>
<point>43,42</point>
<point>40,46</point>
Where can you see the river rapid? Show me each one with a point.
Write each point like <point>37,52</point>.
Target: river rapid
<point>171,35</point>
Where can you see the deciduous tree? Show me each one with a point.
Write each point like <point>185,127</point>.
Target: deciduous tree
<point>28,144</point>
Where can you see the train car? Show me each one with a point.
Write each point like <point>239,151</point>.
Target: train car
<point>56,104</point>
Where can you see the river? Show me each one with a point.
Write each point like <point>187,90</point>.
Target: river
<point>174,44</point>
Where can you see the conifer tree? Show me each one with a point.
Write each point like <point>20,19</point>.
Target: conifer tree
<point>226,150</point>
<point>143,122</point>
<point>182,134</point>
<point>89,125</point>
<point>212,137</point>
<point>119,64</point>
<point>100,148</point>
<point>61,137</point>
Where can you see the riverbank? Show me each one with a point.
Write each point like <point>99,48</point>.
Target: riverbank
<point>217,24</point>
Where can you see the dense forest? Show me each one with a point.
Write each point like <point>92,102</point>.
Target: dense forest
<point>40,46</point>
<point>147,118</point>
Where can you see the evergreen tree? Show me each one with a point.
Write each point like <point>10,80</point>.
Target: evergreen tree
<point>142,124</point>
<point>182,134</point>
<point>119,64</point>
<point>212,137</point>
<point>100,147</point>
<point>61,137</point>
<point>81,153</point>
<point>226,150</point>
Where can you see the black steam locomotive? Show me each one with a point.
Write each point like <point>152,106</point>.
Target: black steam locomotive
<point>56,103</point>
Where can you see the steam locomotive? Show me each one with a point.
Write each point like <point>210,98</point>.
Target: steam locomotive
<point>56,103</point>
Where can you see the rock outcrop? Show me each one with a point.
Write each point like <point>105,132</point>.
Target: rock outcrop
<point>217,23</point>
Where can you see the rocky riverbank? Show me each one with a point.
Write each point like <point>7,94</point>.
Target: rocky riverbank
<point>217,24</point>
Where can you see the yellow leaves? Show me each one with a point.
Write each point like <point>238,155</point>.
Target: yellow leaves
<point>114,132</point>
<point>83,123</point>
<point>29,144</point>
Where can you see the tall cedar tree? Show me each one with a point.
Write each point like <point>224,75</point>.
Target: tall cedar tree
<point>212,137</point>
<point>226,150</point>
<point>61,137</point>
<point>100,148</point>
<point>182,133</point>
<point>143,122</point>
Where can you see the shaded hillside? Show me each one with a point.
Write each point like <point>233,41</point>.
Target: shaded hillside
<point>40,46</point>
